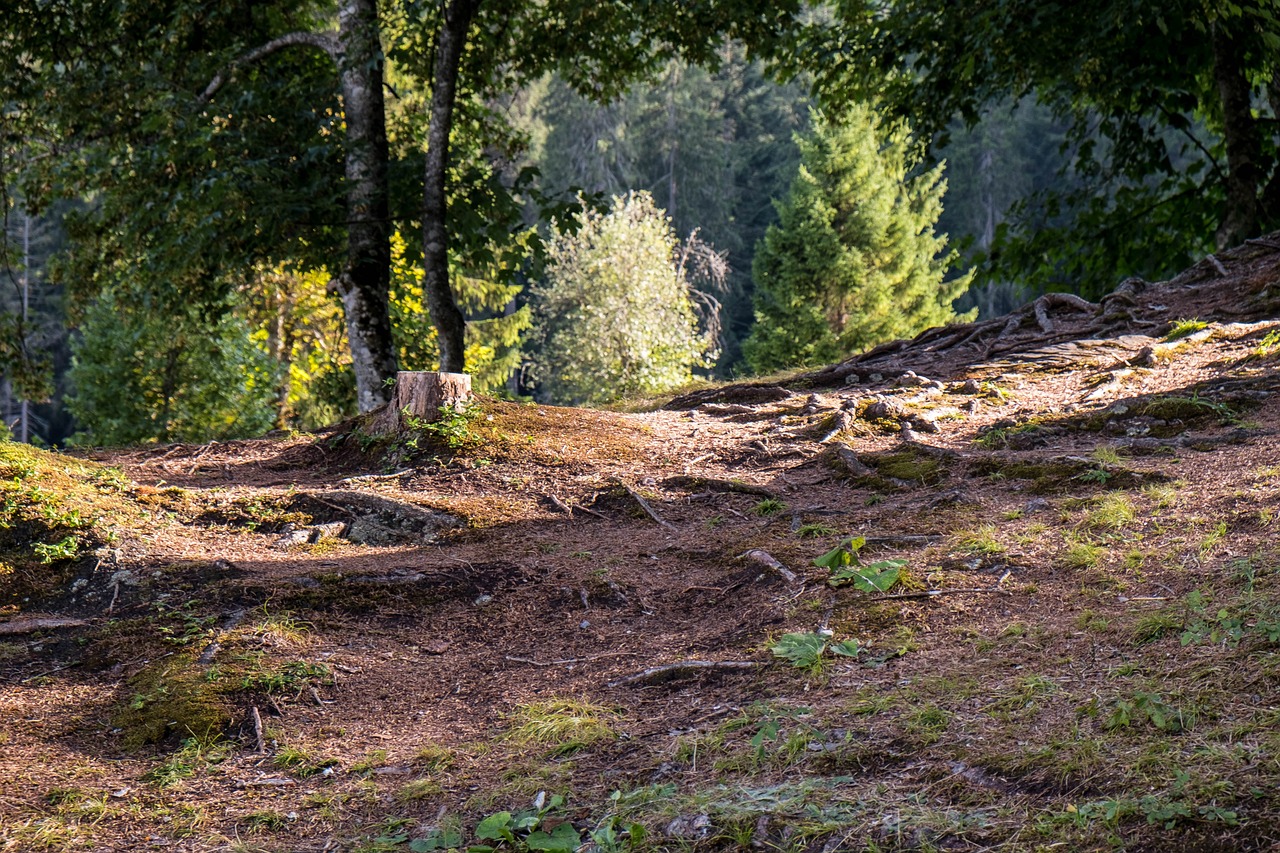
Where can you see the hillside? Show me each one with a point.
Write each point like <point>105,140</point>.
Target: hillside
<point>1056,624</point>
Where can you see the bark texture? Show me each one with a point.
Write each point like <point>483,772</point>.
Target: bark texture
<point>365,283</point>
<point>422,394</point>
<point>448,319</point>
<point>1244,145</point>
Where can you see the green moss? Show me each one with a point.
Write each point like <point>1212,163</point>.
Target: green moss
<point>170,699</point>
<point>53,508</point>
<point>1188,409</point>
<point>910,466</point>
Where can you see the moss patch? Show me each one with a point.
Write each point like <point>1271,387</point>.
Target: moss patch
<point>1054,475</point>
<point>170,700</point>
<point>53,509</point>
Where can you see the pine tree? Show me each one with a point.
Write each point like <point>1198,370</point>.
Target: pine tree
<point>854,260</point>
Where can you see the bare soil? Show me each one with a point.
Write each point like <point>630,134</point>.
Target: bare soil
<point>324,643</point>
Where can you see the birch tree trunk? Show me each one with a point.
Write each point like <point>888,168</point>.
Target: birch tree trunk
<point>364,284</point>
<point>442,305</point>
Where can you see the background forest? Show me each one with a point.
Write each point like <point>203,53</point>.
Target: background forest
<point>187,253</point>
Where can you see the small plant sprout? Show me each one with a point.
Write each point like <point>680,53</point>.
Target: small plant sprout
<point>1106,454</point>
<point>1269,344</point>
<point>805,651</point>
<point>1113,511</point>
<point>845,567</point>
<point>981,541</point>
<point>1184,328</point>
<point>768,507</point>
<point>815,530</point>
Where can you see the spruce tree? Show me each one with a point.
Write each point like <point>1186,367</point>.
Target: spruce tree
<point>854,260</point>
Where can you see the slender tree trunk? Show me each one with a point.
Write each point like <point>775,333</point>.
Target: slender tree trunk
<point>1271,195</point>
<point>449,322</point>
<point>1244,145</point>
<point>365,282</point>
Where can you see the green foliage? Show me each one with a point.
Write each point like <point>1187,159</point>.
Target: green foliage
<point>1138,88</point>
<point>715,146</point>
<point>768,507</point>
<point>526,830</point>
<point>1184,328</point>
<point>844,565</point>
<point>565,725</point>
<point>140,377</point>
<point>494,337</point>
<point>451,429</point>
<point>1151,708</point>
<point>805,651</point>
<point>614,315</point>
<point>854,260</point>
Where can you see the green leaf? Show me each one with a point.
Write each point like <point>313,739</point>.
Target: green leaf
<point>802,650</point>
<point>496,827</point>
<point>847,648</point>
<point>437,839</point>
<point>563,839</point>
<point>842,555</point>
<point>869,580</point>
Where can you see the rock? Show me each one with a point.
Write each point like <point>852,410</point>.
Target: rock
<point>366,531</point>
<point>924,423</point>
<point>1146,357</point>
<point>884,410</point>
<point>954,497</point>
<point>291,535</point>
<point>971,406</point>
<point>1036,505</point>
<point>970,386</point>
<point>329,530</point>
<point>689,826</point>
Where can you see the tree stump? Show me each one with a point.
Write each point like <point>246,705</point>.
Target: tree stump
<point>421,394</point>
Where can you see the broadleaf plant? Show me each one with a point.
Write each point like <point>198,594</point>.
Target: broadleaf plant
<point>843,563</point>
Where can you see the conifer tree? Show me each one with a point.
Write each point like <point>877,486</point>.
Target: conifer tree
<point>854,260</point>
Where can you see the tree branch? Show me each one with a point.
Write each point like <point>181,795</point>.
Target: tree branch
<point>320,41</point>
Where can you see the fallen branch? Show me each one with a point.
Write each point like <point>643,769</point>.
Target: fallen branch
<point>644,505</point>
<point>1217,265</point>
<point>397,474</point>
<point>257,730</point>
<point>764,558</point>
<point>670,671</point>
<point>934,593</point>
<point>567,661</point>
<point>30,625</point>
<point>685,481</point>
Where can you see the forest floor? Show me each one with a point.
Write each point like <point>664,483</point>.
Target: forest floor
<point>1048,616</point>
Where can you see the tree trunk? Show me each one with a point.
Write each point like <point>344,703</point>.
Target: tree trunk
<point>448,320</point>
<point>421,395</point>
<point>1244,145</point>
<point>365,283</point>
